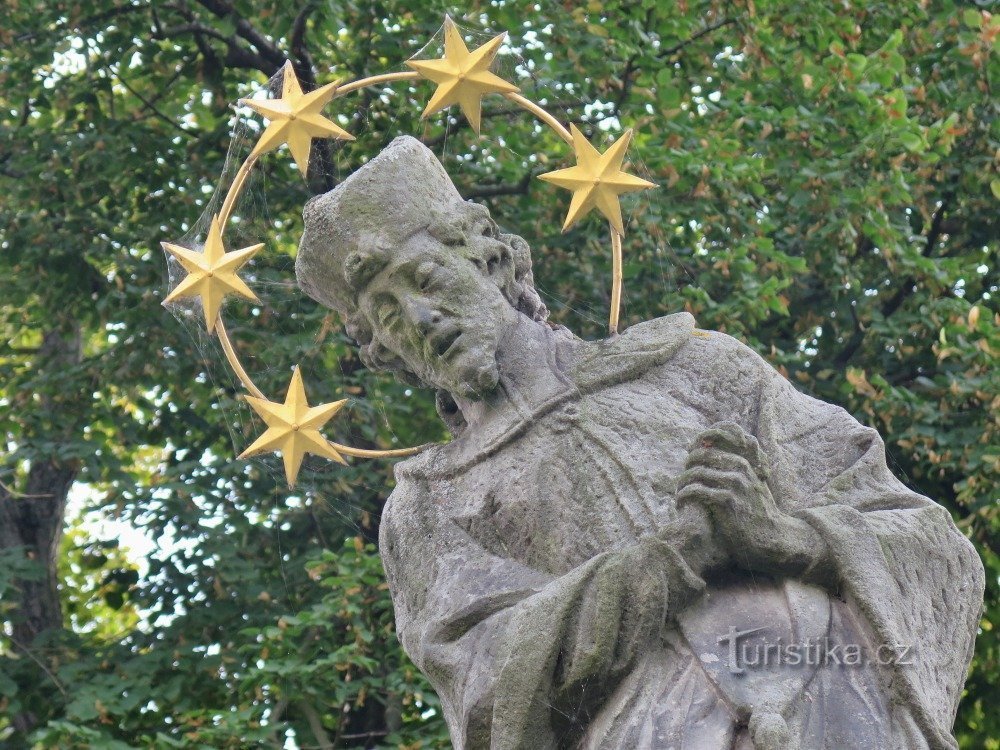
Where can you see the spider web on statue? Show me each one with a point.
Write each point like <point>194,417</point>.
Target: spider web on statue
<point>287,328</point>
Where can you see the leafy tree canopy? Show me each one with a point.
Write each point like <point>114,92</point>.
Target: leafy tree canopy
<point>828,193</point>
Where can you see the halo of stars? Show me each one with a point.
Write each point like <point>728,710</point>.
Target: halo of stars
<point>463,77</point>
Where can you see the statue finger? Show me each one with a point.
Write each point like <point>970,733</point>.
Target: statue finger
<point>700,494</point>
<point>729,436</point>
<point>736,481</point>
<point>724,435</point>
<point>723,460</point>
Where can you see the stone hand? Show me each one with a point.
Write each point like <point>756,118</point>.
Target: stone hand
<point>726,474</point>
<point>638,578</point>
<point>620,616</point>
<point>624,607</point>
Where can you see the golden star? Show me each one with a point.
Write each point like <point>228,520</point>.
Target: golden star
<point>293,428</point>
<point>597,180</point>
<point>295,119</point>
<point>463,77</point>
<point>211,273</point>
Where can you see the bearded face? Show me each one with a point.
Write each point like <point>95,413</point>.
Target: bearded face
<point>423,279</point>
<point>439,304</point>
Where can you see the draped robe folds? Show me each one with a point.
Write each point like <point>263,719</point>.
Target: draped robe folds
<point>506,553</point>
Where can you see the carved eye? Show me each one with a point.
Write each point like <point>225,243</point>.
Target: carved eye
<point>386,312</point>
<point>448,232</point>
<point>491,263</point>
<point>425,276</point>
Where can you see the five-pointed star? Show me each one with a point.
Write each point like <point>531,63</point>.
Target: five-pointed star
<point>597,180</point>
<point>463,77</point>
<point>295,119</point>
<point>293,428</point>
<point>211,273</point>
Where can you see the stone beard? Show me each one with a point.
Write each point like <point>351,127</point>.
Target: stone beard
<point>622,528</point>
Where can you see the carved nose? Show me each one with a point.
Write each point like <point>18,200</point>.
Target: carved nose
<point>422,316</point>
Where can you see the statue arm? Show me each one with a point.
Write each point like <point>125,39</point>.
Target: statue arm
<point>795,486</point>
<point>510,650</point>
<point>770,456</point>
<point>897,555</point>
<point>773,453</point>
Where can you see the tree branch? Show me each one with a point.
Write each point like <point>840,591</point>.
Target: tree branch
<point>316,725</point>
<point>41,665</point>
<point>31,522</point>
<point>265,47</point>
<point>240,57</point>
<point>896,301</point>
<point>84,23</point>
<point>148,104</point>
<point>695,37</point>
<point>305,69</point>
<point>236,55</point>
<point>194,27</point>
<point>933,234</point>
<point>7,493</point>
<point>492,191</point>
<point>627,80</point>
<point>496,112</point>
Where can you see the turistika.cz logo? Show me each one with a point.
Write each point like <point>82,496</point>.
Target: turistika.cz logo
<point>742,653</point>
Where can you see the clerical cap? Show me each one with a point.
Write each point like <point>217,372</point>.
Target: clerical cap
<point>376,209</point>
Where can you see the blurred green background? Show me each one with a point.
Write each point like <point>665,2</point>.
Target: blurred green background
<point>828,193</point>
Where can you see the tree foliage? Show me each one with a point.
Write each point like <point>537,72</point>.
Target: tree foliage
<point>828,193</point>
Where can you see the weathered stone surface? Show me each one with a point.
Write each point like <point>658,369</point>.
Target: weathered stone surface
<point>652,541</point>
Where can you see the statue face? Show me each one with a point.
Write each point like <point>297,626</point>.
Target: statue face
<point>437,306</point>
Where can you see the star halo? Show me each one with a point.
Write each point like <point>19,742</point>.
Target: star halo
<point>463,77</point>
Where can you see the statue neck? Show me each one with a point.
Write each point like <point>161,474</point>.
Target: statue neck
<point>527,358</point>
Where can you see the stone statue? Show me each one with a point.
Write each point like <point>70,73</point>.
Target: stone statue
<point>651,541</point>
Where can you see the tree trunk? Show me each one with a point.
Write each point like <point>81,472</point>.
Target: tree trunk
<point>34,521</point>
<point>31,518</point>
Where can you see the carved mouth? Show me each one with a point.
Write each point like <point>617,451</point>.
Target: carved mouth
<point>443,344</point>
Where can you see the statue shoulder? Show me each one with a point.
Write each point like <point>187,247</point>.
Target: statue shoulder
<point>673,341</point>
<point>597,364</point>
<point>417,478</point>
<point>408,505</point>
<point>715,351</point>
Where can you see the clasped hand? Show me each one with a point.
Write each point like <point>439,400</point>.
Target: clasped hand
<point>726,474</point>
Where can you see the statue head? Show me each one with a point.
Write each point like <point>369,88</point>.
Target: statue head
<point>425,281</point>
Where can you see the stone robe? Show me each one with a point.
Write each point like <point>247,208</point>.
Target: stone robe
<point>499,548</point>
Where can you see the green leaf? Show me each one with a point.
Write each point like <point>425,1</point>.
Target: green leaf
<point>912,142</point>
<point>972,18</point>
<point>670,97</point>
<point>895,62</point>
<point>894,41</point>
<point>897,103</point>
<point>857,63</point>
